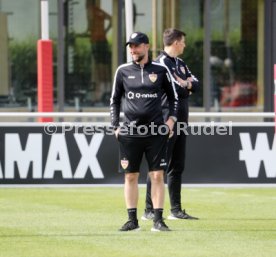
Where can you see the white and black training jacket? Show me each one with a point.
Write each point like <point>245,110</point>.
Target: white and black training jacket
<point>178,67</point>
<point>142,89</point>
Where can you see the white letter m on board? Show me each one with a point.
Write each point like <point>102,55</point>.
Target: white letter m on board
<point>261,152</point>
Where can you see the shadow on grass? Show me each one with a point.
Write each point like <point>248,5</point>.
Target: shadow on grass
<point>133,233</point>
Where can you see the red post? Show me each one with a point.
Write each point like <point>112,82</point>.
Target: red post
<point>275,96</point>
<point>45,78</point>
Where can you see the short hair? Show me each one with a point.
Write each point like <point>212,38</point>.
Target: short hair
<point>170,35</point>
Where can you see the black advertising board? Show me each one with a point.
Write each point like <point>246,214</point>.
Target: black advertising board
<point>31,155</point>
<point>246,156</point>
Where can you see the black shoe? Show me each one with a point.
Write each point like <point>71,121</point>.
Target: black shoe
<point>160,226</point>
<point>130,225</point>
<point>178,215</point>
<point>148,215</point>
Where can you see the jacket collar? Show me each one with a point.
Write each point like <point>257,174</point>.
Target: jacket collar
<point>166,54</point>
<point>145,65</point>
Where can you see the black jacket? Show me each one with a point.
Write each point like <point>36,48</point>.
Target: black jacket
<point>177,66</point>
<point>142,89</point>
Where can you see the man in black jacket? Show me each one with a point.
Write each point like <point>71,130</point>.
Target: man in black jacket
<point>141,84</point>
<point>186,84</point>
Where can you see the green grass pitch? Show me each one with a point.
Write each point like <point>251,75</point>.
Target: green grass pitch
<point>80,222</point>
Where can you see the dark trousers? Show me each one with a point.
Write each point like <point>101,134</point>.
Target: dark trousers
<point>176,149</point>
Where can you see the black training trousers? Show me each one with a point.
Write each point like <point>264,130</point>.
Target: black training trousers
<point>176,149</point>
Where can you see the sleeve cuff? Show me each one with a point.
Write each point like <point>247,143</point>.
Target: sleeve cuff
<point>173,118</point>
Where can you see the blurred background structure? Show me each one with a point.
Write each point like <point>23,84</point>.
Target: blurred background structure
<point>231,48</point>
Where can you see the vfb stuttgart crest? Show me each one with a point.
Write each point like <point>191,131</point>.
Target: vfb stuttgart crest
<point>182,69</point>
<point>153,77</point>
<point>124,164</point>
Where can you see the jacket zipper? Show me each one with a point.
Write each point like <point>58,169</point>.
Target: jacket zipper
<point>142,74</point>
